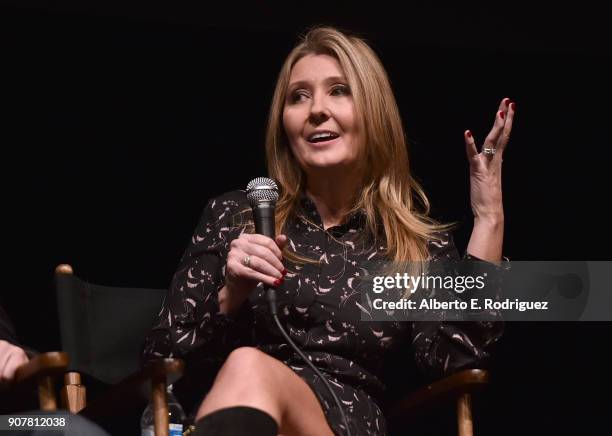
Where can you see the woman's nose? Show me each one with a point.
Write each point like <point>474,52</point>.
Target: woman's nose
<point>318,109</point>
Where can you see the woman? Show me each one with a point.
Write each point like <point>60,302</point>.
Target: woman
<point>335,145</point>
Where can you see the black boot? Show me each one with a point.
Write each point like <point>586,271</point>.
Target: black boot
<point>236,421</point>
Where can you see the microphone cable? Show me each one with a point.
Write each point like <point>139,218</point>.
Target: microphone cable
<point>271,294</point>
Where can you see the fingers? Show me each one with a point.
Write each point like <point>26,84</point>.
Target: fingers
<point>470,145</point>
<point>259,252</point>
<point>505,136</point>
<point>258,270</point>
<point>281,241</point>
<point>261,262</point>
<point>11,358</point>
<point>14,362</point>
<point>264,241</point>
<point>498,125</point>
<point>264,255</point>
<point>499,136</point>
<point>4,357</point>
<point>259,246</point>
<point>503,105</point>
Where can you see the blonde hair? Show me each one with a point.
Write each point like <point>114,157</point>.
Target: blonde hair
<point>389,195</point>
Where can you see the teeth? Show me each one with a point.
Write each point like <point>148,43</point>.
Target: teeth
<point>322,135</point>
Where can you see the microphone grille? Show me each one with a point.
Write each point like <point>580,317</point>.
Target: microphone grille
<point>262,189</point>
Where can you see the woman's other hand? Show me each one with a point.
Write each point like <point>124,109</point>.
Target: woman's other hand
<point>486,241</point>
<point>486,166</point>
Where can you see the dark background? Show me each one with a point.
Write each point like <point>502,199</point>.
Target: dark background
<point>119,121</point>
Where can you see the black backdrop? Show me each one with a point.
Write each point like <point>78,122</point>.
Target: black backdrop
<point>121,120</point>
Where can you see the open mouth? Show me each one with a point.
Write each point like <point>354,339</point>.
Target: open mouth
<point>322,137</point>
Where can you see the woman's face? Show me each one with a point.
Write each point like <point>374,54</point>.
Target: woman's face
<point>319,114</point>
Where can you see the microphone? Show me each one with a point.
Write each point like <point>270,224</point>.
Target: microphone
<point>262,194</point>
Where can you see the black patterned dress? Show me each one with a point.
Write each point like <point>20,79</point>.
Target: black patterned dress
<point>320,307</point>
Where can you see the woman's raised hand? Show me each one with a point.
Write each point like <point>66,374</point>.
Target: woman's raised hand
<point>486,166</point>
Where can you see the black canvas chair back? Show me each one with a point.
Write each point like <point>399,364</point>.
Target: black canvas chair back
<point>102,327</point>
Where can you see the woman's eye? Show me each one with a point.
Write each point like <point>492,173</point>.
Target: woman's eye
<point>340,90</point>
<point>298,96</point>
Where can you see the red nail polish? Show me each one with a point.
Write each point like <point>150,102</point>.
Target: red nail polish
<point>501,114</point>
<point>277,282</point>
<point>284,272</point>
<point>506,101</point>
<point>513,106</point>
<point>469,134</point>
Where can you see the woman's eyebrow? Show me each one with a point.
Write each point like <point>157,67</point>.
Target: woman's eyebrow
<point>335,79</point>
<point>298,84</point>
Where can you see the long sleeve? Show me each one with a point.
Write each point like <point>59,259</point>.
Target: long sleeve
<point>443,347</point>
<point>189,319</point>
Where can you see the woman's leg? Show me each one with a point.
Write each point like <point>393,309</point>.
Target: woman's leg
<point>252,378</point>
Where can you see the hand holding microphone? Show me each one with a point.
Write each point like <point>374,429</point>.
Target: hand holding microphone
<point>254,258</point>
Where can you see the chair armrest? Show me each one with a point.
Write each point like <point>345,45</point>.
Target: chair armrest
<point>133,392</point>
<point>466,381</point>
<point>51,364</point>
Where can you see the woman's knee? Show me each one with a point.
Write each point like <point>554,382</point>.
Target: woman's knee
<point>247,368</point>
<point>244,380</point>
<point>251,377</point>
<point>245,361</point>
<point>248,355</point>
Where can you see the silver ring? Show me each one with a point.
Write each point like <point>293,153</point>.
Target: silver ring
<point>246,261</point>
<point>489,151</point>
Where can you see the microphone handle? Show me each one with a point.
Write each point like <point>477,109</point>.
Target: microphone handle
<point>263,215</point>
